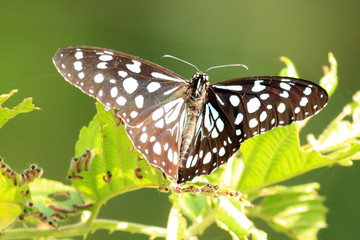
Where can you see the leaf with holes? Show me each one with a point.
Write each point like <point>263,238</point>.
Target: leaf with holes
<point>56,200</point>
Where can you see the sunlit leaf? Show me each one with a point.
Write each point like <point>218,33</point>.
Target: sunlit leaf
<point>112,152</point>
<point>271,158</point>
<point>6,114</point>
<point>297,211</point>
<point>176,224</point>
<point>231,218</point>
<point>289,69</point>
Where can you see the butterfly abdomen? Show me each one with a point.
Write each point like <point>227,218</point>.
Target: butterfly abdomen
<point>197,97</point>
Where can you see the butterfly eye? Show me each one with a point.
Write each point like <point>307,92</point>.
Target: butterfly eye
<point>186,128</point>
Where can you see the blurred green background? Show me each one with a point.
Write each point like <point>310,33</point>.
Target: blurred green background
<point>206,33</point>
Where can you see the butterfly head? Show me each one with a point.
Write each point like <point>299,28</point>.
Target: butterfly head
<point>200,82</point>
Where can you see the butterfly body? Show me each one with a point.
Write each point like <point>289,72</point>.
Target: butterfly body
<point>198,89</point>
<point>186,128</point>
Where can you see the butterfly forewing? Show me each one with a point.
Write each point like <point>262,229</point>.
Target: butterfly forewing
<point>133,86</point>
<point>147,97</point>
<point>256,105</point>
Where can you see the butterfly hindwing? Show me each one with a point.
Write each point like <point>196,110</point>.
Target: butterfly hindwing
<point>214,142</point>
<point>159,136</point>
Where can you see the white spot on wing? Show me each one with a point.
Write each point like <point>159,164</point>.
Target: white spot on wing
<point>166,77</point>
<point>99,78</point>
<point>188,161</point>
<point>170,90</point>
<point>160,123</point>
<point>121,101</point>
<point>238,119</point>
<point>263,116</point>
<point>264,96</point>
<point>219,99</point>
<point>143,137</point>
<point>304,101</point>
<point>114,92</point>
<point>130,85</point>
<point>153,86</point>
<point>284,94</point>
<point>231,87</point>
<point>281,108</point>
<point>207,158</point>
<point>257,86</point>
<point>253,105</point>
<point>105,57</point>
<point>253,123</point>
<point>81,75</point>
<point>135,67</point>
<point>157,148</point>
<point>78,66</point>
<point>285,86</point>
<point>158,113</point>
<point>79,55</point>
<point>220,124</point>
<point>101,65</point>
<point>139,101</point>
<point>133,114</point>
<point>234,100</point>
<point>307,91</point>
<point>122,74</point>
<point>174,113</point>
<point>222,151</point>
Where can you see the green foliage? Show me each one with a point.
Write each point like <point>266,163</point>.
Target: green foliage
<point>108,165</point>
<point>6,114</point>
<point>112,152</point>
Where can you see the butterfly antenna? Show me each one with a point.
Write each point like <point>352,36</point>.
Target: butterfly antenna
<point>170,56</point>
<point>228,65</point>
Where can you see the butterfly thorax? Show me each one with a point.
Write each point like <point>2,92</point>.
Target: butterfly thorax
<point>197,96</point>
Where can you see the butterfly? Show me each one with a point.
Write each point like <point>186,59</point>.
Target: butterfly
<point>186,128</point>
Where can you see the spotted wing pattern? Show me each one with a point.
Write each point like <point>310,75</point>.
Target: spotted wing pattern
<point>154,104</point>
<point>243,108</point>
<point>147,97</point>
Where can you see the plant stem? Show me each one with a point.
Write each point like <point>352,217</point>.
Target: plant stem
<point>83,229</point>
<point>198,227</point>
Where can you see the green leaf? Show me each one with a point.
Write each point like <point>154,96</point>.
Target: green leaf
<point>12,198</point>
<point>297,211</point>
<point>289,69</point>
<point>9,213</point>
<point>231,218</point>
<point>193,206</point>
<point>330,80</point>
<point>276,156</point>
<point>176,224</point>
<point>340,132</point>
<point>55,199</point>
<point>112,152</point>
<point>6,114</point>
